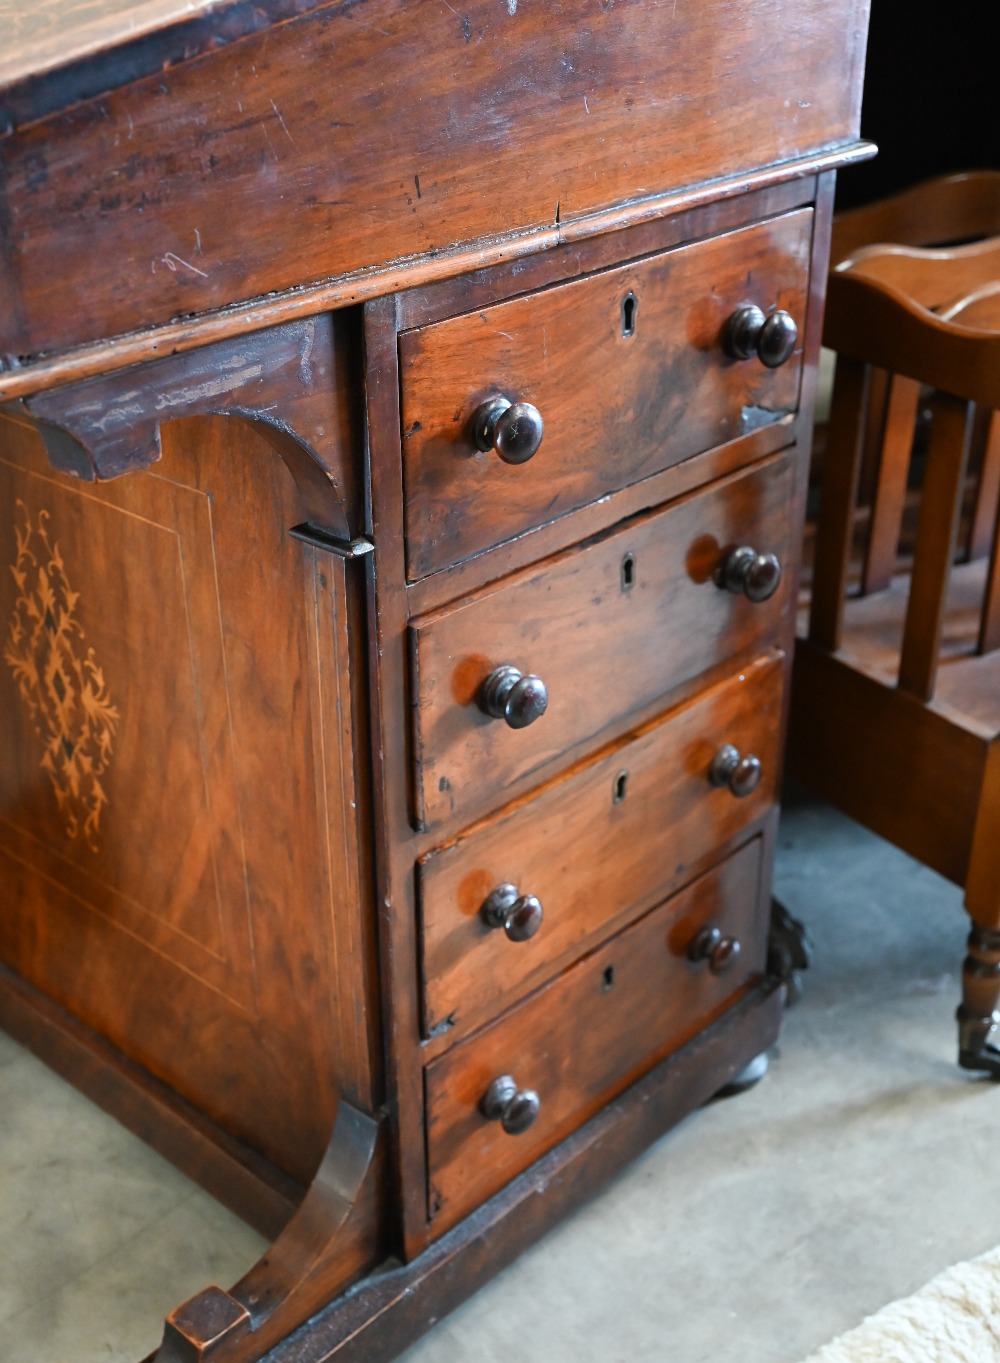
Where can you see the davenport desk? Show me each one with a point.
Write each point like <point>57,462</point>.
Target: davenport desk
<point>405,418</point>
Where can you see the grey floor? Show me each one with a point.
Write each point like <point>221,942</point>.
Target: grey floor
<point>862,1165</point>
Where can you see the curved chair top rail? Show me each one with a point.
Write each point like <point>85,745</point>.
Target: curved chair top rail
<point>933,279</point>
<point>979,309</point>
<point>948,208</point>
<point>932,315</point>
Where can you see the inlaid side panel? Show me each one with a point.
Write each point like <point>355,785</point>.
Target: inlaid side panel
<point>178,821</point>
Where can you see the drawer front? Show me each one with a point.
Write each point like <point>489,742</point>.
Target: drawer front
<point>583,1039</point>
<point>641,815</point>
<point>609,628</point>
<point>627,368</point>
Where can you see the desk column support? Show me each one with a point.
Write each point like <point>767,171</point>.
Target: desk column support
<point>290,1282</point>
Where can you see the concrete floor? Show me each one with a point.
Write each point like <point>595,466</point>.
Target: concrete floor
<point>761,1227</point>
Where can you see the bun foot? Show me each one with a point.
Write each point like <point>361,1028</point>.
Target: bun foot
<point>746,1078</point>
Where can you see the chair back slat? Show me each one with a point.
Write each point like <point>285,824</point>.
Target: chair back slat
<point>890,488</point>
<point>871,455</point>
<point>985,461</point>
<point>835,525</point>
<point>934,548</point>
<point>989,620</point>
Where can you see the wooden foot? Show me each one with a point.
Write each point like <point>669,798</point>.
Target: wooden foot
<point>789,951</point>
<point>746,1078</point>
<point>292,1280</point>
<point>977,1015</point>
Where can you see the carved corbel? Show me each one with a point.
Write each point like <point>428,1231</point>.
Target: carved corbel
<point>281,380</point>
<point>294,1278</point>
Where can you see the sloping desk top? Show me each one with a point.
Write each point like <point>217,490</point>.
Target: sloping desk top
<point>164,161</point>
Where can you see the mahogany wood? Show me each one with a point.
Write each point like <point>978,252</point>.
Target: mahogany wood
<point>641,996</point>
<point>183,200</point>
<point>647,813</point>
<point>644,233</point>
<point>315,1254</point>
<point>835,522</point>
<point>287,192</point>
<point>617,405</point>
<point>184,334</point>
<point>989,502</point>
<point>386,1313</point>
<point>56,48</point>
<point>293,382</point>
<point>463,756</point>
<point>898,746</point>
<point>180,855</point>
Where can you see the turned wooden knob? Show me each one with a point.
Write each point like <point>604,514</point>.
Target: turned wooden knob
<point>515,697</point>
<point>515,1109</point>
<point>720,952</point>
<point>745,570</point>
<point>520,915</point>
<point>513,429</point>
<point>739,773</point>
<point>772,338</point>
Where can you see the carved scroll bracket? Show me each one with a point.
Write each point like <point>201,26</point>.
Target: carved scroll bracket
<point>291,1281</point>
<point>281,380</point>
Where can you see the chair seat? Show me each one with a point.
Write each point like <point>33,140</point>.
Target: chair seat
<point>896,690</point>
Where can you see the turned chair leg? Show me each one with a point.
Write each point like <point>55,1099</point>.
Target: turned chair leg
<point>977,1015</point>
<point>978,1036</point>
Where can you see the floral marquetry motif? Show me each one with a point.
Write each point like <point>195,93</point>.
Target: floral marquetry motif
<point>59,681</point>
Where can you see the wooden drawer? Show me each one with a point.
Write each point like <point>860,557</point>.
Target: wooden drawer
<point>627,368</point>
<point>588,1035</point>
<point>609,627</point>
<point>643,814</point>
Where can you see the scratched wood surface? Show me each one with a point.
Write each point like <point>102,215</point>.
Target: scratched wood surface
<point>243,173</point>
<point>617,405</point>
<point>604,649</point>
<point>585,1037</point>
<point>646,812</point>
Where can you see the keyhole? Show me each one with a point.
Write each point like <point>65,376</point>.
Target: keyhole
<point>629,306</point>
<point>628,572</point>
<point>608,979</point>
<point>618,790</point>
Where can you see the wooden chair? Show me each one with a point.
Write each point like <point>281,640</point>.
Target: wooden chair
<point>943,211</point>
<point>896,694</point>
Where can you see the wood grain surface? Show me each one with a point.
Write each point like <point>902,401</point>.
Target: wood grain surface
<point>169,876</point>
<point>602,649</point>
<point>279,160</point>
<point>585,1037</point>
<point>616,407</point>
<point>645,812</point>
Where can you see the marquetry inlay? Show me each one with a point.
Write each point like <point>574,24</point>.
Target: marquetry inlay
<point>58,678</point>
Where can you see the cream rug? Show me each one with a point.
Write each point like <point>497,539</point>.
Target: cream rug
<point>954,1319</point>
